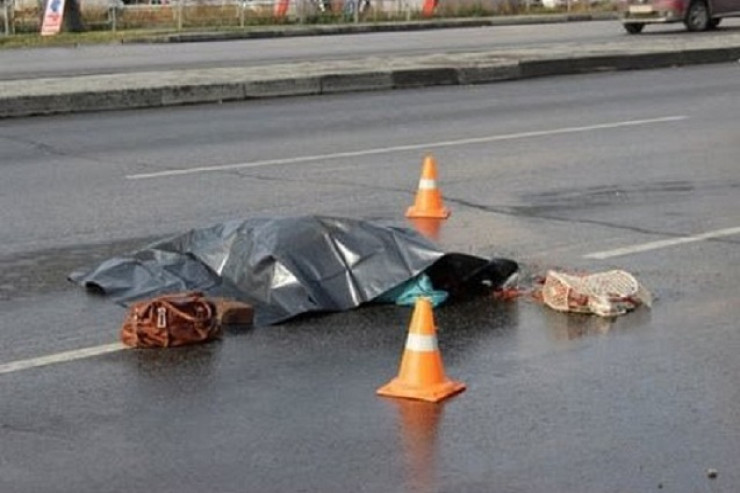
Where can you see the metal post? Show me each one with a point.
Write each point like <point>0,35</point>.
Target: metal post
<point>6,17</point>
<point>180,7</point>
<point>114,16</point>
<point>242,8</point>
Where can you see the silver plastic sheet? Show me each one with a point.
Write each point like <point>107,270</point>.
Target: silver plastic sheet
<point>283,266</point>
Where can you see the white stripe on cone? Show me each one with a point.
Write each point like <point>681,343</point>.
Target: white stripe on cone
<point>427,184</point>
<point>421,343</point>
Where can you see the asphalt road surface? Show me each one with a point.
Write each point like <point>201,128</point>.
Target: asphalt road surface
<point>631,170</point>
<point>104,59</point>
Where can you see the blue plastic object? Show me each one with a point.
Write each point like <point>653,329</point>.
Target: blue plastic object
<point>407,293</point>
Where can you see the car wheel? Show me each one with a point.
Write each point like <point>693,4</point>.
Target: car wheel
<point>713,23</point>
<point>697,17</point>
<point>634,28</point>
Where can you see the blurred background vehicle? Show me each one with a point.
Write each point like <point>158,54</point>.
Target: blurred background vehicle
<point>697,15</point>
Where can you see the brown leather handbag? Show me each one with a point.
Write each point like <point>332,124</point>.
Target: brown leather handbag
<point>170,320</point>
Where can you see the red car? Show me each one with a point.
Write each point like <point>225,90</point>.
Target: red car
<point>697,15</point>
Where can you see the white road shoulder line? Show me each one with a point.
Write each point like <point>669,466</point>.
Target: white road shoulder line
<point>409,147</point>
<point>655,245</point>
<point>60,357</point>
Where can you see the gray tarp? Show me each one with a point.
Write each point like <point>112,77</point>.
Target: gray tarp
<point>289,266</point>
<point>284,266</point>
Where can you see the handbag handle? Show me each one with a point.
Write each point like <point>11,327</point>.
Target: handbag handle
<point>187,316</point>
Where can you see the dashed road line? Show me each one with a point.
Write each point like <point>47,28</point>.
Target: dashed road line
<point>400,148</point>
<point>656,245</point>
<point>63,357</point>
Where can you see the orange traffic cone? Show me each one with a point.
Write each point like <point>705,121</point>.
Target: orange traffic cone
<point>428,198</point>
<point>422,375</point>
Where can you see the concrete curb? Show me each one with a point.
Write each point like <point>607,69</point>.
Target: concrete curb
<point>173,88</point>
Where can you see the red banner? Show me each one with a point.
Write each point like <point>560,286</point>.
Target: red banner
<point>53,15</point>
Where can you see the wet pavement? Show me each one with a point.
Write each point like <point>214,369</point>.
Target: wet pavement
<point>554,402</point>
<point>570,402</point>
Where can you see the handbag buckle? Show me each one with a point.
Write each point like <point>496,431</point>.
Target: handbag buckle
<point>161,317</point>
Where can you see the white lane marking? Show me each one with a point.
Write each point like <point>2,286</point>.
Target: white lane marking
<point>409,147</point>
<point>60,357</point>
<point>655,245</point>
<point>421,343</point>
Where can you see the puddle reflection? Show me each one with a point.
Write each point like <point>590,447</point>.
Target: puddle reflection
<point>418,423</point>
<point>429,227</point>
<point>570,326</point>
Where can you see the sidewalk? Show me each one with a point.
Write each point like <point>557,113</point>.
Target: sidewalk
<point>157,89</point>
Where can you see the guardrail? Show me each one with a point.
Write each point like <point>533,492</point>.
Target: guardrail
<point>6,10</point>
<point>184,13</point>
<point>180,14</point>
<point>23,15</point>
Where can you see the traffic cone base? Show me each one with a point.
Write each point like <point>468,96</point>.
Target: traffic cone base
<point>426,212</point>
<point>429,393</point>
